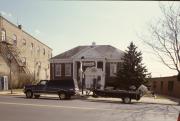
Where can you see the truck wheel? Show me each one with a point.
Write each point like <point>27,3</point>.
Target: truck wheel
<point>36,96</point>
<point>127,100</point>
<point>95,95</point>
<point>62,96</point>
<point>29,94</point>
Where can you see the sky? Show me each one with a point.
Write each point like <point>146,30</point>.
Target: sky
<point>63,25</point>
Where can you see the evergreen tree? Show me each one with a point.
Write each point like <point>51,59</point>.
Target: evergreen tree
<point>132,71</point>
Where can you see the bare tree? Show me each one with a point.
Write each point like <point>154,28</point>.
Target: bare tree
<point>165,36</point>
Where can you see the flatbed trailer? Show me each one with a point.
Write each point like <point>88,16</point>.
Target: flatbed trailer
<point>125,95</point>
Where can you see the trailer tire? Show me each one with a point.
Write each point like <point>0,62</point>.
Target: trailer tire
<point>126,100</point>
<point>62,96</point>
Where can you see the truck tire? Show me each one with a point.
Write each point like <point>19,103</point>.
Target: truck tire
<point>36,96</point>
<point>62,96</point>
<point>95,95</point>
<point>29,94</point>
<point>126,100</point>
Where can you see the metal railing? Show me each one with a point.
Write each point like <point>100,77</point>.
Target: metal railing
<point>8,49</point>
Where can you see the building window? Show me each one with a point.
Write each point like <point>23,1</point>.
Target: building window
<point>14,40</point>
<point>24,42</point>
<point>3,35</point>
<point>67,69</point>
<point>170,86</point>
<point>154,85</point>
<point>57,69</point>
<point>38,50</point>
<point>44,51</point>
<point>113,69</point>
<point>161,86</point>
<point>23,60</point>
<point>32,46</point>
<point>48,54</point>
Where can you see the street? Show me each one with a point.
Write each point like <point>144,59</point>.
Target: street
<point>18,108</point>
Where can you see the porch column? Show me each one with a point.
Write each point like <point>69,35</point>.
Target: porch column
<point>74,74</point>
<point>95,63</point>
<point>104,73</point>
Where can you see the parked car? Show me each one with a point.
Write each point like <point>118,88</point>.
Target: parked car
<point>63,88</point>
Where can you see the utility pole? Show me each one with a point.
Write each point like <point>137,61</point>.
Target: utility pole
<point>82,82</point>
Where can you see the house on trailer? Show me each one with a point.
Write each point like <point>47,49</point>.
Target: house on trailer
<point>94,65</point>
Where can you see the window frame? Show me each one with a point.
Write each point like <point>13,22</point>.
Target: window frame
<point>3,35</point>
<point>14,40</point>
<point>68,69</point>
<point>24,42</point>
<point>170,86</point>
<point>58,66</point>
<point>44,51</point>
<point>113,69</point>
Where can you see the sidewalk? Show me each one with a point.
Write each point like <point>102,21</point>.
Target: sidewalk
<point>145,99</point>
<point>16,92</point>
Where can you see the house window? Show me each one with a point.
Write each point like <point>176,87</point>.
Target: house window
<point>170,86</point>
<point>24,42</point>
<point>3,35</point>
<point>67,69</point>
<point>113,69</point>
<point>120,65</point>
<point>58,70</point>
<point>100,65</point>
<point>14,40</point>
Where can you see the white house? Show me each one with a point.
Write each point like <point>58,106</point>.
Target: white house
<point>96,64</point>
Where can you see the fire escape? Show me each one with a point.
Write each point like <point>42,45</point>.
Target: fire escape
<point>11,54</point>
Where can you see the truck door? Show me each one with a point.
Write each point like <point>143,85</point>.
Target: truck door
<point>41,86</point>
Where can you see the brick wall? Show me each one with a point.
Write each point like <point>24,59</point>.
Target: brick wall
<point>166,86</point>
<point>31,55</point>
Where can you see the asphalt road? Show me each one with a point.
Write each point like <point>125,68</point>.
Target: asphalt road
<point>18,108</point>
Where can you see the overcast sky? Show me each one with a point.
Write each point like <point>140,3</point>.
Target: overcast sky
<point>63,25</point>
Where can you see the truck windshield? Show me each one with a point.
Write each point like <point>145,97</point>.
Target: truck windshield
<point>43,82</point>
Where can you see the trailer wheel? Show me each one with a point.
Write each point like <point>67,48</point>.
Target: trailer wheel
<point>62,96</point>
<point>126,100</point>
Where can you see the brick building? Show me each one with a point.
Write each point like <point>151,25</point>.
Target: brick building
<point>98,63</point>
<point>22,52</point>
<point>166,86</point>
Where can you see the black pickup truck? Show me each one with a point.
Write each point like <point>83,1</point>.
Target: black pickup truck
<point>63,88</point>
